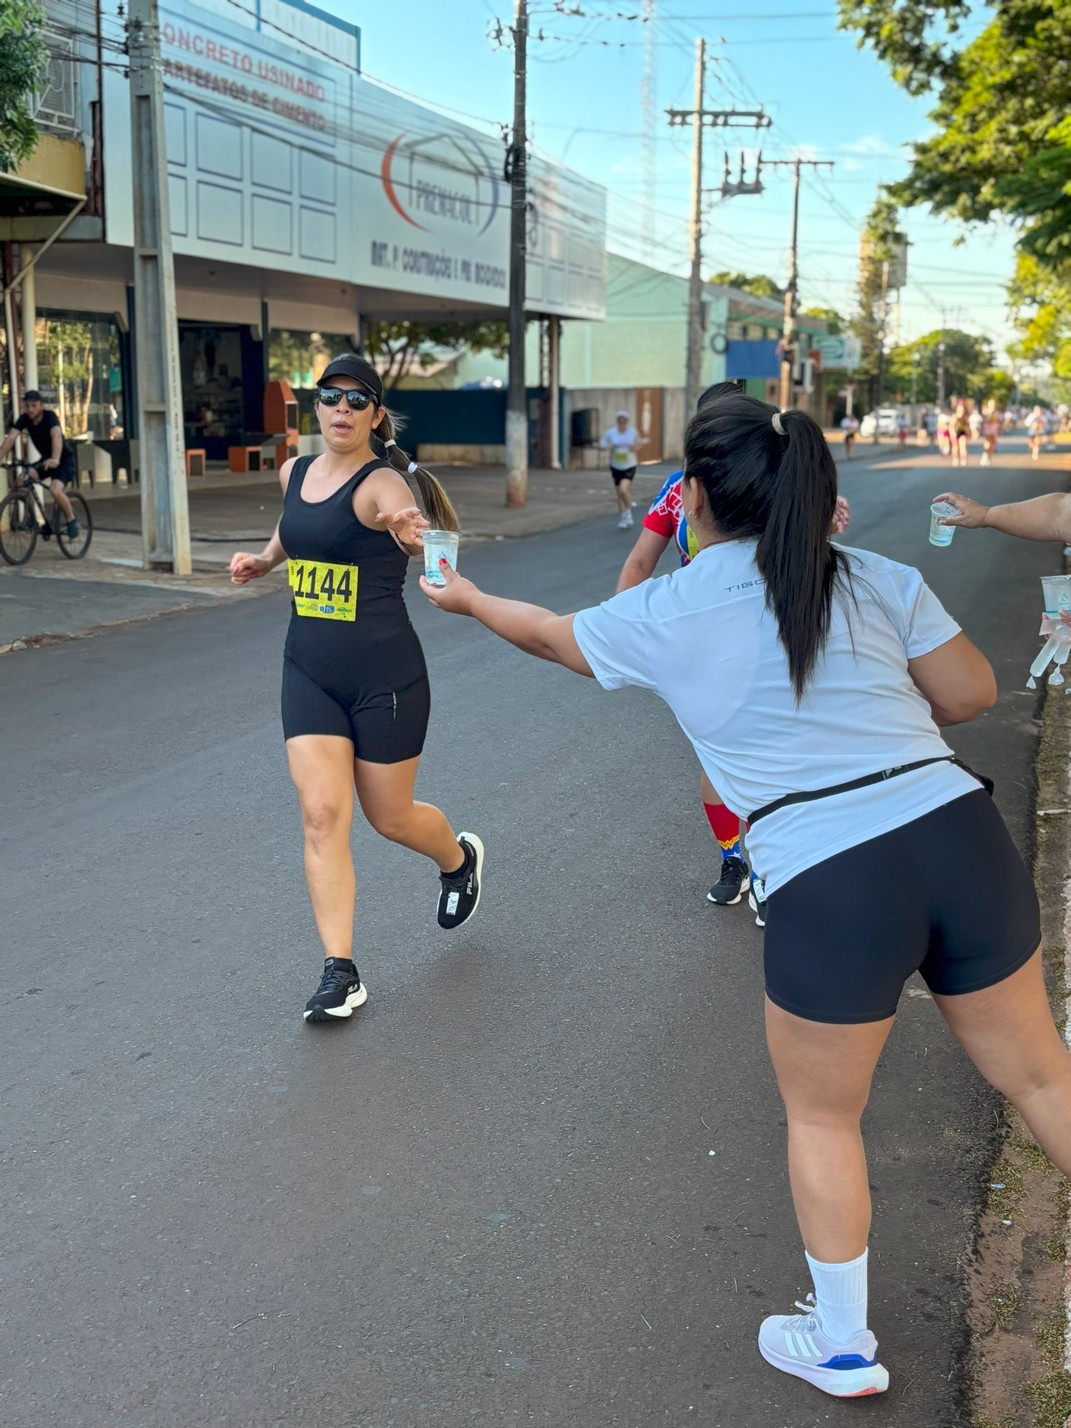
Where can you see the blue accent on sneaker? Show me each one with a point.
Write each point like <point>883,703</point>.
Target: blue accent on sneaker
<point>848,1361</point>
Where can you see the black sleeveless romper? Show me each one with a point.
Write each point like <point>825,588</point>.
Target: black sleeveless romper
<point>364,680</point>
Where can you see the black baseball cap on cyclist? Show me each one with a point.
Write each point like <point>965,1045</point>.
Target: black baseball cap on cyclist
<point>350,365</point>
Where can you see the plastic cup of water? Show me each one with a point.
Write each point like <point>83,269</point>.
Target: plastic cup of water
<point>439,545</point>
<point>1057,591</point>
<point>939,534</point>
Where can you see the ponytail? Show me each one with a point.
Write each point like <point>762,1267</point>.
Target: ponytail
<point>794,556</point>
<point>769,476</point>
<point>437,504</point>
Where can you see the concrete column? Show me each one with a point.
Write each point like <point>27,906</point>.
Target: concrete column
<point>29,322</point>
<point>555,332</point>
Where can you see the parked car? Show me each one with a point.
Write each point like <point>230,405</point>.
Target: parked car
<point>886,421</point>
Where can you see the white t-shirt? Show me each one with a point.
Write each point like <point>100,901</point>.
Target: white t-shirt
<point>704,641</point>
<point>619,442</point>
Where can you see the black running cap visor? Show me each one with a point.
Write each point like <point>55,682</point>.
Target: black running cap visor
<point>357,368</point>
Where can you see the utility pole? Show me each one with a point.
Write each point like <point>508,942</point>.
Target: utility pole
<point>165,517</point>
<point>941,366</point>
<point>694,353</point>
<point>792,296</point>
<point>517,398</point>
<point>702,118</point>
<point>883,313</point>
<point>647,103</point>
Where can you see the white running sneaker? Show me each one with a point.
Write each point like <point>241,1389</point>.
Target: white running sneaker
<point>796,1344</point>
<point>756,900</point>
<point>624,520</point>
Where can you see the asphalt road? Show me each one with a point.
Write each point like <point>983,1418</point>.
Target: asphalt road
<point>540,1177</point>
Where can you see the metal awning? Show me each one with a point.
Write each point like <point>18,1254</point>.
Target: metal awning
<point>41,197</point>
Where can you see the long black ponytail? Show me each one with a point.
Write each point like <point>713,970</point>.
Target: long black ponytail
<point>770,476</point>
<point>437,503</point>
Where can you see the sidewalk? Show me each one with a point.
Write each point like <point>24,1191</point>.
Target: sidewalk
<point>52,597</point>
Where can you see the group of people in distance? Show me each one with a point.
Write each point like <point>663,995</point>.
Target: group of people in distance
<point>813,682</point>
<point>955,424</point>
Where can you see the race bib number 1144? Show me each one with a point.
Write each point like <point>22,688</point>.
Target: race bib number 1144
<point>323,591</point>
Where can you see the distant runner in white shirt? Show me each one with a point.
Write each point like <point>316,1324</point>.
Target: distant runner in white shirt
<point>813,681</point>
<point>622,441</point>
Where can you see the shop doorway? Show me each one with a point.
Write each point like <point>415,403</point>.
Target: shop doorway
<point>222,371</point>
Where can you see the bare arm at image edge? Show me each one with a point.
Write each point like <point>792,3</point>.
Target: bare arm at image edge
<point>1042,518</point>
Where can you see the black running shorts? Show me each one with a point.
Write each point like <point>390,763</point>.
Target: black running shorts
<point>947,895</point>
<point>386,724</point>
<point>620,476</point>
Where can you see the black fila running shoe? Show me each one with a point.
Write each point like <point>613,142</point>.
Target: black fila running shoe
<point>459,897</point>
<point>728,890</point>
<point>339,993</point>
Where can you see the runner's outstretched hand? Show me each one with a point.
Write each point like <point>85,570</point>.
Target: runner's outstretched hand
<point>245,567</point>
<point>456,596</point>
<point>972,514</point>
<point>407,525</point>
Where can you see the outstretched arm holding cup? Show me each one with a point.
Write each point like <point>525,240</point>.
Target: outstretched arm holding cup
<point>1042,518</point>
<point>532,629</point>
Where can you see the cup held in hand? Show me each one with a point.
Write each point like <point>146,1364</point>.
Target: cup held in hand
<point>439,545</point>
<point>939,534</point>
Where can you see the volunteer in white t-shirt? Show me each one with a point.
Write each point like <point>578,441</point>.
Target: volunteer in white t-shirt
<point>622,441</point>
<point>812,681</point>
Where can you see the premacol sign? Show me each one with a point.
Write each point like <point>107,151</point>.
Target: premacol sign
<point>279,157</point>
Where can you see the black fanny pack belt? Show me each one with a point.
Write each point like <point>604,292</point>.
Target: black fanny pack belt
<point>865,782</point>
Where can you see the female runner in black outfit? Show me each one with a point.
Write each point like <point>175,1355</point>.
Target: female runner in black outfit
<point>355,686</point>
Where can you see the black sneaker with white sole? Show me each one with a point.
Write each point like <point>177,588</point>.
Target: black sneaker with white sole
<point>727,891</point>
<point>459,896</point>
<point>339,993</point>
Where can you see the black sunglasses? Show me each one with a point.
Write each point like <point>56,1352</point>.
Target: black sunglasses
<point>357,401</point>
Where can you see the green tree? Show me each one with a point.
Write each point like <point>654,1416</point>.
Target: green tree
<point>1002,140</point>
<point>758,284</point>
<point>1040,297</point>
<point>881,242</point>
<point>398,347</point>
<point>22,63</point>
<point>835,324</point>
<point>968,363</point>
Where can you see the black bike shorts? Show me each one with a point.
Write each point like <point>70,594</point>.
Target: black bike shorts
<point>947,895</point>
<point>385,724</point>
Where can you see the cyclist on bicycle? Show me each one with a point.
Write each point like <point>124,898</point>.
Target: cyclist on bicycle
<point>44,430</point>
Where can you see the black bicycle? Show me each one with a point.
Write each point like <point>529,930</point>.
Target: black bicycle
<point>24,517</point>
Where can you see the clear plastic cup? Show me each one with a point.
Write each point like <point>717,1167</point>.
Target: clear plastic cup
<point>939,534</point>
<point>437,546</point>
<point>1057,590</point>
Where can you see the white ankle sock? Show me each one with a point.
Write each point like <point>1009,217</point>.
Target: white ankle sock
<point>840,1293</point>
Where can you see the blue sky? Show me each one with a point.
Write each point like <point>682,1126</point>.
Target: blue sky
<point>828,100</point>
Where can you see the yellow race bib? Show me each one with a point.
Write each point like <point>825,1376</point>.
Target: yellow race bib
<point>323,591</point>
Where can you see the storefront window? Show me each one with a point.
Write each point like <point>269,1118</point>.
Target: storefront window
<point>300,357</point>
<point>80,375</point>
<point>213,400</point>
